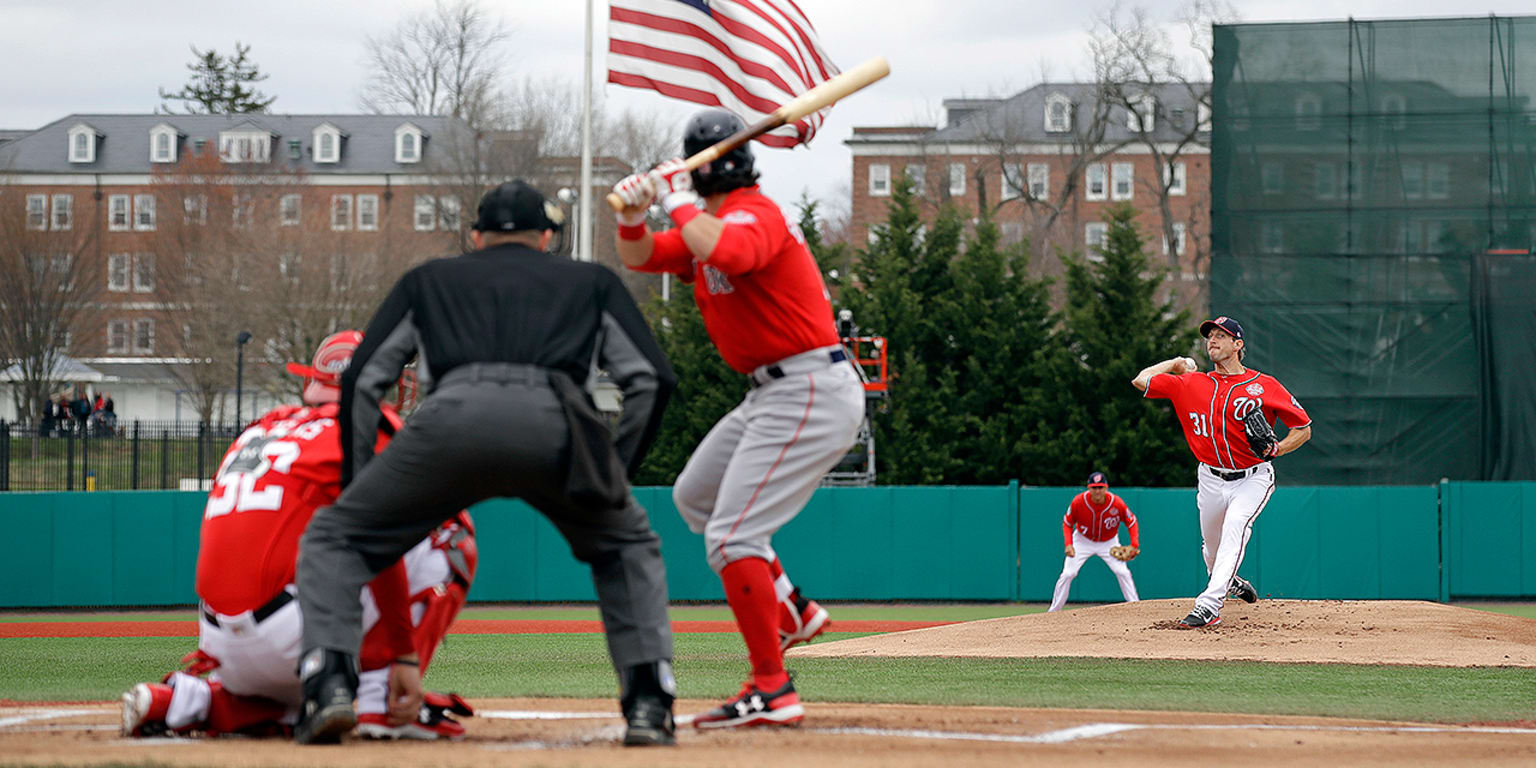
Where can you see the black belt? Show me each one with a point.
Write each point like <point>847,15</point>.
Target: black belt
<point>499,373</point>
<point>1235,474</point>
<point>261,613</point>
<point>775,372</point>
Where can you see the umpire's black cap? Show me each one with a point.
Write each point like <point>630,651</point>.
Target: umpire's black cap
<point>1098,480</point>
<point>1225,323</point>
<point>516,207</point>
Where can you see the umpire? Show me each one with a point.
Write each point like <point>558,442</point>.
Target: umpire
<point>508,340</point>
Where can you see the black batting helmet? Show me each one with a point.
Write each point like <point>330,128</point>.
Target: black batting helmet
<point>729,171</point>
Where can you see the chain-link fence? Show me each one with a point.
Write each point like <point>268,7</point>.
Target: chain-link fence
<point>97,456</point>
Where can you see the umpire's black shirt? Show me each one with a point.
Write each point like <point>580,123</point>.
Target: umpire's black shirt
<point>507,304</point>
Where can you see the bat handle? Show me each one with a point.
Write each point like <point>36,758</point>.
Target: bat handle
<point>615,202</point>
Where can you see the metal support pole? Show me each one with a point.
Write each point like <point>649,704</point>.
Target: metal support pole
<point>202,439</point>
<point>69,460</point>
<point>165,459</point>
<point>584,215</point>
<point>135,484</point>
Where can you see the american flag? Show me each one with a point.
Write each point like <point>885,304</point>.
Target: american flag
<point>748,56</point>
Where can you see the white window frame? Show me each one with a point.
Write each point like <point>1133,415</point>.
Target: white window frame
<point>1413,180</point>
<point>368,213</point>
<point>119,215</point>
<point>1039,180</point>
<point>341,212</point>
<point>322,154</point>
<point>1325,181</point>
<point>1142,116</point>
<point>117,336</point>
<point>166,154</point>
<point>290,210</point>
<point>247,146</point>
<point>143,273</point>
<point>37,212</point>
<point>1122,173</point>
<point>416,135</point>
<point>449,213</point>
<point>1095,233</point>
<point>119,271</point>
<point>144,327</point>
<point>1096,172</point>
<point>144,213</point>
<point>63,204</point>
<point>1176,177</point>
<point>424,213</point>
<point>1202,117</point>
<point>1011,188</point>
<point>288,265</point>
<point>82,151</point>
<point>198,204</point>
<point>1065,123</point>
<point>242,208</point>
<point>1179,237</point>
<point>1309,112</point>
<point>918,174</point>
<point>1272,178</point>
<point>879,180</point>
<point>957,178</point>
<point>1437,180</point>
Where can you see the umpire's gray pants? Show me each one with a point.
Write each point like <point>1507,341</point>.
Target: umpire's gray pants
<point>487,431</point>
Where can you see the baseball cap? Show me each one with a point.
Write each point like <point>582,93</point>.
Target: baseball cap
<point>1225,323</point>
<point>515,207</point>
<point>1098,480</point>
<point>322,377</point>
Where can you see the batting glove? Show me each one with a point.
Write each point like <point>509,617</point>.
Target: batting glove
<point>674,182</point>
<point>637,191</point>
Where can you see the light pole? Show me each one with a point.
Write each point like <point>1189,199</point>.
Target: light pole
<point>240,340</point>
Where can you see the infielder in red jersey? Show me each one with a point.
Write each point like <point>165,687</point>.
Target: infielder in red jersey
<point>282,468</point>
<point>1233,483</point>
<point>767,310</point>
<point>1091,528</point>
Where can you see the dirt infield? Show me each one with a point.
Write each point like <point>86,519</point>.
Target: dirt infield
<point>1302,631</point>
<point>526,733</point>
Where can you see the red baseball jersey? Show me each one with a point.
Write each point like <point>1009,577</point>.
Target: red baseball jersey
<point>1211,407</point>
<point>276,474</point>
<point>1099,522</point>
<point>760,291</point>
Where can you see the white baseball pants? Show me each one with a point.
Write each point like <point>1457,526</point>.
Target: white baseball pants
<point>1228,509</point>
<point>759,465</point>
<point>1084,548</point>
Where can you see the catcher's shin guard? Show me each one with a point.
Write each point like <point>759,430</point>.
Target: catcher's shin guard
<point>442,604</point>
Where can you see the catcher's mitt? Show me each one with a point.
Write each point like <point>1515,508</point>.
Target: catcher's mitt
<point>1124,554</point>
<point>1261,436</point>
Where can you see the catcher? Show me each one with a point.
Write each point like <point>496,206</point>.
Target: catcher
<point>1226,416</point>
<point>283,467</point>
<point>1092,527</point>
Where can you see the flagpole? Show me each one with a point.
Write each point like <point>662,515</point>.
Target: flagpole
<point>585,214</point>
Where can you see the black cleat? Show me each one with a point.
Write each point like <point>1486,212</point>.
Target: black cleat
<point>650,723</point>
<point>1243,590</point>
<point>1200,618</point>
<point>330,685</point>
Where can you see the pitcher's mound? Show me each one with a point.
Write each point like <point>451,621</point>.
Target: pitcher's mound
<point>1342,631</point>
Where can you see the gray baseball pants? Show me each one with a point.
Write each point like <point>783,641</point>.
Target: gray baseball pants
<point>495,431</point>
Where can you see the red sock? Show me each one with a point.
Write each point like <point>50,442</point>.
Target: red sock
<point>749,590</point>
<point>254,715</point>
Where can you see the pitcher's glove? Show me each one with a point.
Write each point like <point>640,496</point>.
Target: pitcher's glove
<point>1261,436</point>
<point>1124,554</point>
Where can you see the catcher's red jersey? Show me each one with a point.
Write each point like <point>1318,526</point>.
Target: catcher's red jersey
<point>1211,407</point>
<point>760,292</point>
<point>273,478</point>
<point>1099,522</point>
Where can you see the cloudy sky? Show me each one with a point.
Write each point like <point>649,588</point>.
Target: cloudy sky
<point>78,56</point>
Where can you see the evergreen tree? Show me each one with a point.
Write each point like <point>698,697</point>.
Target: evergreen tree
<point>218,85</point>
<point>1113,328</point>
<point>831,258</point>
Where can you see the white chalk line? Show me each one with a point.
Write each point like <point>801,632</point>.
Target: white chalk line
<point>32,716</point>
<point>529,714</point>
<point>1095,730</point>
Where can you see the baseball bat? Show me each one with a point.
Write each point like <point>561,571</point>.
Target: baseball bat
<point>820,97</point>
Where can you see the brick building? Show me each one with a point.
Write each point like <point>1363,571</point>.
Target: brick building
<point>1047,161</point>
<point>191,226</point>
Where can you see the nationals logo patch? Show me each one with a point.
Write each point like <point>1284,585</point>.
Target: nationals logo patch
<point>1254,389</point>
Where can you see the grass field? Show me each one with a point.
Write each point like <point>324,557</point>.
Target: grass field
<point>713,665</point>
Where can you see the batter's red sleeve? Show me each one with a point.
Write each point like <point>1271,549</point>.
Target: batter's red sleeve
<point>669,254</point>
<point>748,240</point>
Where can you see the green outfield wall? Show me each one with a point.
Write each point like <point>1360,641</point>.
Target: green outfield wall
<point>1454,540</point>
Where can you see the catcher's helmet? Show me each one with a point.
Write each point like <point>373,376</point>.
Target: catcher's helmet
<point>322,378</point>
<point>729,171</point>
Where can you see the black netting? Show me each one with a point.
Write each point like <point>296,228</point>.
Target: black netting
<point>1373,214</point>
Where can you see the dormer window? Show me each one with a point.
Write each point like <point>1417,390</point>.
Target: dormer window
<point>82,143</point>
<point>408,140</point>
<point>327,143</point>
<point>1140,119</point>
<point>1058,113</point>
<point>162,143</point>
<point>245,145</point>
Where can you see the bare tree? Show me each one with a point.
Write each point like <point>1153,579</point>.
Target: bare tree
<point>441,61</point>
<point>52,278</point>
